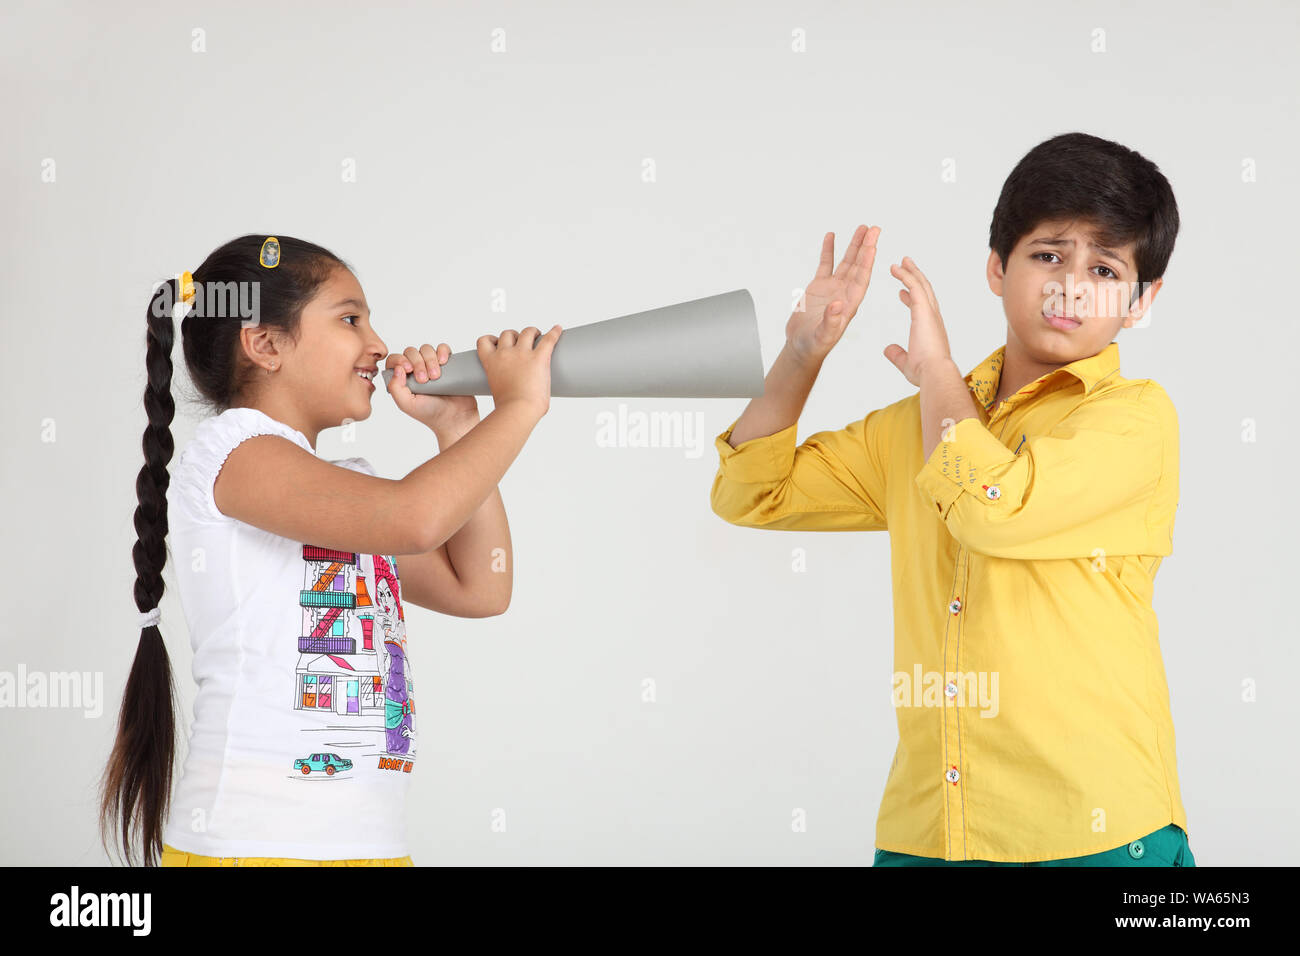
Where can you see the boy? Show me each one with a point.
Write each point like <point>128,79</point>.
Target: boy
<point>1029,505</point>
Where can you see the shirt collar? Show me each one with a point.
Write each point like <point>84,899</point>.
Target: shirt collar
<point>984,378</point>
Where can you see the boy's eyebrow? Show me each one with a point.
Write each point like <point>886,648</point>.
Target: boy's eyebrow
<point>355,303</point>
<point>1069,242</point>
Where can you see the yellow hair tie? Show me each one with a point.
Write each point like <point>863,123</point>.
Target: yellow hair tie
<point>187,287</point>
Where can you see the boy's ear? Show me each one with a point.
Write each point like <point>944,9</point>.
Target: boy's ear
<point>994,272</point>
<point>1140,307</point>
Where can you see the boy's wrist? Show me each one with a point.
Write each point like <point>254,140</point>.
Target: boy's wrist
<point>944,363</point>
<point>807,364</point>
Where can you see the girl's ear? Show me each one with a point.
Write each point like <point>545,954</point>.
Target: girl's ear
<point>259,346</point>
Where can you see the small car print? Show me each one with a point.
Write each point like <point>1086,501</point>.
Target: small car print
<point>330,763</point>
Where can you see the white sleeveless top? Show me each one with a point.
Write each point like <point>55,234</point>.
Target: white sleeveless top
<point>303,738</point>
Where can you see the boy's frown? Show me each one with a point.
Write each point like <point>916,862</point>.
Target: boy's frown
<point>1066,295</point>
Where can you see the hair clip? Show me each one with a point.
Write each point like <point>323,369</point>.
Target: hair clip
<point>270,254</point>
<point>186,287</point>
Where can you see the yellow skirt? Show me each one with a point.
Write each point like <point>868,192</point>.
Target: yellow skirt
<point>174,857</point>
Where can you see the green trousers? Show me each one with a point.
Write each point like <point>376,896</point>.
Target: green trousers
<point>1165,847</point>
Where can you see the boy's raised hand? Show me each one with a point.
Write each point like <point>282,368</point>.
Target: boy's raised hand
<point>927,339</point>
<point>832,298</point>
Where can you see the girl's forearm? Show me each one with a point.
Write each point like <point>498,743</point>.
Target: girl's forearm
<point>450,488</point>
<point>480,552</point>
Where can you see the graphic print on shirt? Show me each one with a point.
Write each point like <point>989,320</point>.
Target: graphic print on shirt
<point>353,675</point>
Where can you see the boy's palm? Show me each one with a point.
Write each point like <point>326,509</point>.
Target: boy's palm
<point>927,338</point>
<point>833,298</point>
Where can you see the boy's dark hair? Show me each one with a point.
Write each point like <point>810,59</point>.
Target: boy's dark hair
<point>135,790</point>
<point>1077,176</point>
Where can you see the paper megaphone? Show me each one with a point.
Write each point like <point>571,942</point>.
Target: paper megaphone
<point>705,348</point>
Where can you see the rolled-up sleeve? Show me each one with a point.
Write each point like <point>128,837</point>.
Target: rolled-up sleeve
<point>834,481</point>
<point>1084,488</point>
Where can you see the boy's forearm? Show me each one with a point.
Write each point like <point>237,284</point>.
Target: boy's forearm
<point>785,390</point>
<point>944,396</point>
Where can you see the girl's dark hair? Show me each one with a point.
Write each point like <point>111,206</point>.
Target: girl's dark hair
<point>1077,176</point>
<point>136,785</point>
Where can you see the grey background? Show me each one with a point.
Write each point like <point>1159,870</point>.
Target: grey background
<point>522,171</point>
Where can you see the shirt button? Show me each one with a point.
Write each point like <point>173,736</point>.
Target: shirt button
<point>955,605</point>
<point>992,492</point>
<point>951,689</point>
<point>952,775</point>
<point>1135,849</point>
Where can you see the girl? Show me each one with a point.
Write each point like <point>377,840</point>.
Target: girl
<point>304,730</point>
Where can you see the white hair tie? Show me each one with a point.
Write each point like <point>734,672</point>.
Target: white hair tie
<point>150,617</point>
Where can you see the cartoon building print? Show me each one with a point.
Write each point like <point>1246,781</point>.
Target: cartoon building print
<point>352,664</point>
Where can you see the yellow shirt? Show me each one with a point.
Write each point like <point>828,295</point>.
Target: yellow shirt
<point>1033,713</point>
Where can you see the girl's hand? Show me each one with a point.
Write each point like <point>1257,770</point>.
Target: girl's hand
<point>518,366</point>
<point>928,339</point>
<point>439,412</point>
<point>832,299</point>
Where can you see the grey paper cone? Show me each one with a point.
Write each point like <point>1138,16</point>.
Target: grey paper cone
<point>705,348</point>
